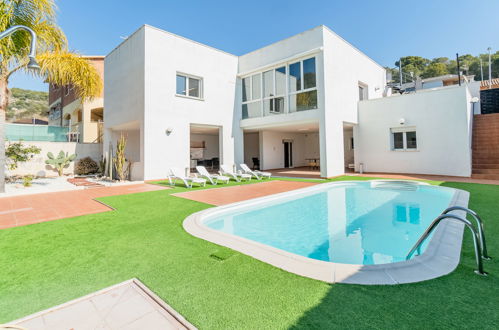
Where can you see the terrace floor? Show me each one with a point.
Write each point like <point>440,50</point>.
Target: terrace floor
<point>28,209</point>
<point>233,194</point>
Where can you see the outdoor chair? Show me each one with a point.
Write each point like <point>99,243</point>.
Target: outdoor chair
<point>212,178</point>
<point>257,174</point>
<point>176,174</point>
<point>227,171</point>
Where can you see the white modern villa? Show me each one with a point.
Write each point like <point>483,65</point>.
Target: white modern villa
<point>309,100</point>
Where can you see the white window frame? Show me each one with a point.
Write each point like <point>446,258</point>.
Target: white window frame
<point>287,94</point>
<point>404,131</point>
<point>187,77</point>
<point>365,93</point>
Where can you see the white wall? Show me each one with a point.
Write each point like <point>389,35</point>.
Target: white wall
<point>124,97</point>
<point>442,121</point>
<point>37,166</point>
<point>344,68</point>
<point>272,149</point>
<point>212,147</point>
<point>251,148</point>
<point>166,54</point>
<point>312,147</point>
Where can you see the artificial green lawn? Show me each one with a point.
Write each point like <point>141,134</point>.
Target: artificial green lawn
<point>49,263</point>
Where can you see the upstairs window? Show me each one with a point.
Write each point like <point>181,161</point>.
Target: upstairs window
<point>362,92</point>
<point>404,139</point>
<point>189,86</point>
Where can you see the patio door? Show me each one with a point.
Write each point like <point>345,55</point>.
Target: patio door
<point>288,153</point>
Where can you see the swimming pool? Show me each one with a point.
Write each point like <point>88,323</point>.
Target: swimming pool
<point>353,224</point>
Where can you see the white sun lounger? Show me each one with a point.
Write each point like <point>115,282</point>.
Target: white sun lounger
<point>227,171</point>
<point>176,174</point>
<point>213,178</point>
<point>257,174</point>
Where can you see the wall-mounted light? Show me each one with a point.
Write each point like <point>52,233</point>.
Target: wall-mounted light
<point>377,88</point>
<point>402,121</point>
<point>169,131</point>
<point>475,100</point>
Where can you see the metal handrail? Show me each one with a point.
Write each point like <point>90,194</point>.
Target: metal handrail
<point>481,233</point>
<point>468,224</point>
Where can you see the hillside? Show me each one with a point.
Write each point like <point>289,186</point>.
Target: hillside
<point>26,104</point>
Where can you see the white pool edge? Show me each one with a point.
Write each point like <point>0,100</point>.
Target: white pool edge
<point>441,256</point>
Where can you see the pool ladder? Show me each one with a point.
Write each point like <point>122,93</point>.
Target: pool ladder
<point>478,235</point>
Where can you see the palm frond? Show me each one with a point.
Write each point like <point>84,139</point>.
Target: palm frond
<point>66,68</point>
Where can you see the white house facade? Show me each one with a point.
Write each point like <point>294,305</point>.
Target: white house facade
<point>290,104</point>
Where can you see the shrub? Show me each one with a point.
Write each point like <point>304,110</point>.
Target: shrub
<point>86,166</point>
<point>27,179</point>
<point>17,152</point>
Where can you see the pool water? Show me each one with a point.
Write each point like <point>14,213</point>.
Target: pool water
<point>352,223</point>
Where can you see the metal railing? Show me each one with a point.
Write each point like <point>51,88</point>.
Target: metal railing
<point>481,234</point>
<point>478,236</point>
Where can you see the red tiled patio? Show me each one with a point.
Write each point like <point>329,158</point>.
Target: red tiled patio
<point>28,209</point>
<point>233,194</point>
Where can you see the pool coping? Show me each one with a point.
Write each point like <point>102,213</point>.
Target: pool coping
<point>441,256</point>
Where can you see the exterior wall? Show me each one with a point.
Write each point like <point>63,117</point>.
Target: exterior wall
<point>272,149</point>
<point>37,166</point>
<point>163,109</point>
<point>124,99</point>
<point>443,148</point>
<point>344,68</point>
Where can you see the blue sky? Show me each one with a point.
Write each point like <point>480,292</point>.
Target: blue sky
<point>383,29</point>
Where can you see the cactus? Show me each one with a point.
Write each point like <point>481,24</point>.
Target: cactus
<point>120,161</point>
<point>61,162</point>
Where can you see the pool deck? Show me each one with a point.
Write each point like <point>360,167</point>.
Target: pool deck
<point>233,194</point>
<point>28,209</point>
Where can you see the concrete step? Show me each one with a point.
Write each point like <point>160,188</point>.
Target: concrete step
<point>485,176</point>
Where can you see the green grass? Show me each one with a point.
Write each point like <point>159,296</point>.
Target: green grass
<point>216,288</point>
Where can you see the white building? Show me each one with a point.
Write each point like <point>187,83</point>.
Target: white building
<point>289,104</point>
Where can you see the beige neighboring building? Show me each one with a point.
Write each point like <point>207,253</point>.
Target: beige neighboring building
<point>84,119</point>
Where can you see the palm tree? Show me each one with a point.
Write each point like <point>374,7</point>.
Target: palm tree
<point>57,65</point>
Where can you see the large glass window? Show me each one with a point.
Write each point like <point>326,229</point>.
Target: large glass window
<point>257,87</point>
<point>246,89</point>
<point>295,77</point>
<point>309,80</point>
<point>303,101</point>
<point>189,86</point>
<point>280,81</point>
<point>268,83</point>
<point>280,90</point>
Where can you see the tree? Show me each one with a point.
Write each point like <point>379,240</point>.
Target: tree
<point>434,69</point>
<point>414,64</point>
<point>58,65</point>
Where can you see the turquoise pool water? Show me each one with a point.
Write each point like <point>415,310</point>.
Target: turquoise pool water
<point>354,223</point>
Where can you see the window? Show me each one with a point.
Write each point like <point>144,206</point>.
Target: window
<point>302,85</point>
<point>252,91</point>
<point>362,92</point>
<point>286,88</point>
<point>404,139</point>
<point>189,86</point>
